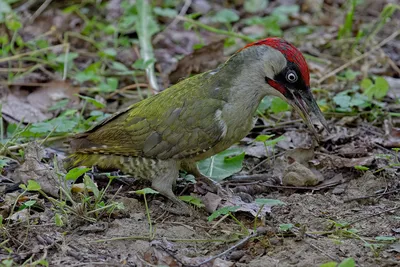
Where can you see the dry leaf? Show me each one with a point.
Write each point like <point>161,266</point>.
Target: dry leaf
<point>34,169</point>
<point>201,60</point>
<point>332,161</point>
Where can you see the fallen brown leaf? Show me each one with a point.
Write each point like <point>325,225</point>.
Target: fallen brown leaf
<point>201,60</point>
<point>34,169</point>
<point>332,161</point>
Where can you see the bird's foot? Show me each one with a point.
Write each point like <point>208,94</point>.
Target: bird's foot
<point>213,186</point>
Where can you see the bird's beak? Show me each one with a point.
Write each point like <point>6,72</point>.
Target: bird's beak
<point>304,103</point>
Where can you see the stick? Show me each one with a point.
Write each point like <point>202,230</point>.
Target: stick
<point>373,215</point>
<point>243,241</point>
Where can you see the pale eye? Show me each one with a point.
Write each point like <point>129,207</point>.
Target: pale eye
<point>291,76</point>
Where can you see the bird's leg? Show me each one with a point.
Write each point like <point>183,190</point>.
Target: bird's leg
<point>163,180</point>
<point>191,167</point>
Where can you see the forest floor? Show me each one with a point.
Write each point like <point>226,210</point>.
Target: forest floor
<point>297,202</point>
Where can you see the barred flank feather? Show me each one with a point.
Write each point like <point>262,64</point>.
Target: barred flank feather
<point>144,168</point>
<point>103,162</point>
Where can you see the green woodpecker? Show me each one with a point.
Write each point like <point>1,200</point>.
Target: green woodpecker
<point>198,117</point>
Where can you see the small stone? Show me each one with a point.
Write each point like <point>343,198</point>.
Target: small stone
<point>275,241</point>
<point>297,174</point>
<point>222,263</point>
<point>237,255</point>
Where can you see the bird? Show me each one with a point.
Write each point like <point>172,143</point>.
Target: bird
<point>198,117</point>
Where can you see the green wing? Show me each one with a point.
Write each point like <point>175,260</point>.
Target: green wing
<point>178,123</point>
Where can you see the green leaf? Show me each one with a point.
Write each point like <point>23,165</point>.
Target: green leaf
<point>264,105</point>
<point>254,6</point>
<point>273,142</point>
<point>92,101</point>
<point>119,66</point>
<point>351,75</point>
<point>385,238</point>
<point>366,84</point>
<point>165,12</point>
<point>8,262</point>
<point>142,65</point>
<point>346,29</point>
<point>110,86</point>
<point>59,105</point>
<point>278,105</point>
<point>70,57</point>
<point>223,164</point>
<point>75,173</point>
<point>145,191</point>
<point>27,204</point>
<point>90,73</point>
<point>108,52</point>
<point>30,203</point>
<point>91,186</point>
<point>349,262</point>
<point>190,178</point>
<point>283,12</point>
<point>82,77</point>
<point>41,262</point>
<point>358,100</point>
<point>33,186</point>
<point>222,211</point>
<point>342,100</point>
<point>13,24</point>
<point>269,202</point>
<point>58,220</point>
<point>41,127</point>
<point>63,124</point>
<point>329,264</point>
<point>284,227</point>
<point>382,87</point>
<point>192,200</point>
<point>226,16</point>
<point>4,162</point>
<point>264,137</point>
<point>361,168</point>
<point>377,90</point>
<point>5,8</point>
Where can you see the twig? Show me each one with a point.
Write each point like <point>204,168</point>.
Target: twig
<point>174,21</point>
<point>126,88</point>
<point>322,251</point>
<point>354,60</point>
<point>39,11</point>
<point>373,195</point>
<point>220,220</point>
<point>217,31</point>
<point>30,53</point>
<point>277,125</point>
<point>373,215</point>
<point>266,160</point>
<point>243,241</point>
<point>16,147</point>
<point>391,62</point>
<point>239,179</point>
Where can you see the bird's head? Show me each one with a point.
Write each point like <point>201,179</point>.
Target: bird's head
<point>287,76</point>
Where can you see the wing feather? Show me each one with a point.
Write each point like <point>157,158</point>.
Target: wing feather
<point>172,126</point>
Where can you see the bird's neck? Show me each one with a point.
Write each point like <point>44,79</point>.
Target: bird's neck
<point>243,79</point>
